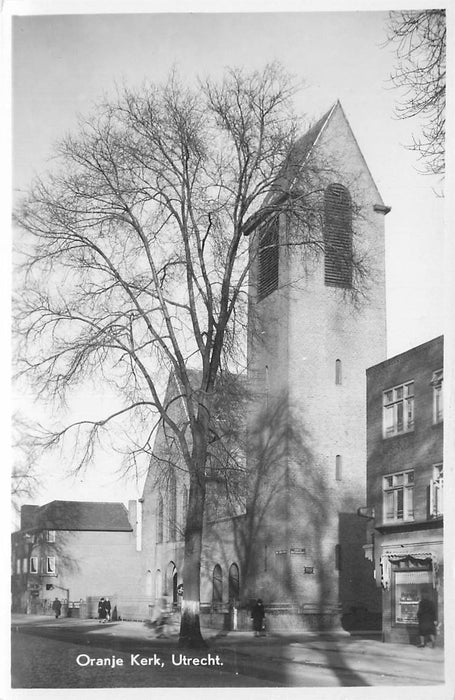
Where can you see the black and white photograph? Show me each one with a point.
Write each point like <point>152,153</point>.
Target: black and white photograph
<point>229,262</point>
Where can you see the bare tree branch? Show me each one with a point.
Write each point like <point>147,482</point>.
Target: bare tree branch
<point>420,40</point>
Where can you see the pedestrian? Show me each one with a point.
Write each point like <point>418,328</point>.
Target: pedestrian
<point>426,616</point>
<point>107,605</point>
<point>258,617</point>
<point>102,610</point>
<point>57,608</point>
<point>159,617</point>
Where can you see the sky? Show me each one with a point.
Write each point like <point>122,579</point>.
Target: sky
<point>61,65</point>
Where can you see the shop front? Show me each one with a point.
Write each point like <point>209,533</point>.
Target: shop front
<point>409,576</point>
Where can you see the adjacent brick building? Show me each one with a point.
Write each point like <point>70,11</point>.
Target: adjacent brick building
<point>405,485</point>
<point>76,551</point>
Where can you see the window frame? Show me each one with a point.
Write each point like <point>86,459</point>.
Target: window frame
<point>338,468</point>
<point>338,372</point>
<point>160,520</point>
<point>50,536</point>
<point>436,505</point>
<point>406,594</point>
<point>408,424</point>
<point>438,396</point>
<point>172,509</point>
<point>217,584</point>
<point>50,570</point>
<point>405,503</point>
<point>33,568</point>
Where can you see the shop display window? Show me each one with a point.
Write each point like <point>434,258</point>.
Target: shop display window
<point>410,588</point>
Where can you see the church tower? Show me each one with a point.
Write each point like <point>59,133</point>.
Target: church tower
<point>317,321</point>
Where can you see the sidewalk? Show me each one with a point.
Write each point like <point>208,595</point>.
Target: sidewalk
<point>367,658</point>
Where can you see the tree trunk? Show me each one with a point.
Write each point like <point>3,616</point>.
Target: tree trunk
<point>190,630</point>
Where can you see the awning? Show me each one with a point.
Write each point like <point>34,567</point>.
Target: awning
<point>389,557</point>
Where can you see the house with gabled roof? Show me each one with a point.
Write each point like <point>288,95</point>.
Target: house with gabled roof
<point>77,551</point>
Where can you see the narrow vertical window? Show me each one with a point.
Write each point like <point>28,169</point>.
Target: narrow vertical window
<point>172,511</point>
<point>338,375</point>
<point>234,582</point>
<point>158,583</point>
<point>338,468</point>
<point>437,383</point>
<point>184,509</point>
<point>268,259</point>
<point>33,565</point>
<point>436,492</point>
<point>217,591</point>
<point>338,557</point>
<point>337,236</point>
<point>50,565</point>
<point>160,519</point>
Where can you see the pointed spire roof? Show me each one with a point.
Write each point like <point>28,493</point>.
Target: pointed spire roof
<point>297,157</point>
<point>305,143</point>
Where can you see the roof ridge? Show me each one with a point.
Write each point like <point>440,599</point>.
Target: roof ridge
<point>66,500</point>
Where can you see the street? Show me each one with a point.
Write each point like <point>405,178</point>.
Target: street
<point>49,653</point>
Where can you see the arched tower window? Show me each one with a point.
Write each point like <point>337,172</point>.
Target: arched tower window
<point>217,591</point>
<point>172,512</point>
<point>159,519</point>
<point>338,236</point>
<point>268,259</point>
<point>338,375</point>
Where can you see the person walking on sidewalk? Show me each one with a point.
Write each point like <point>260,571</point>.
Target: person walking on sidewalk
<point>102,610</point>
<point>57,608</point>
<point>426,615</point>
<point>107,605</point>
<point>258,617</point>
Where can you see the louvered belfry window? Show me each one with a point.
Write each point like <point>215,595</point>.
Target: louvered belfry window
<point>268,259</point>
<point>338,236</point>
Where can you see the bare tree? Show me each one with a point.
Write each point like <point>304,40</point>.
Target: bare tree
<point>24,479</point>
<point>136,263</point>
<point>420,39</point>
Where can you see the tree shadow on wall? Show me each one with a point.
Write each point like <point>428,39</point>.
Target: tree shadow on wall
<point>285,541</point>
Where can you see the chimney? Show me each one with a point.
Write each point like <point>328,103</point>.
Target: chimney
<point>28,517</point>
